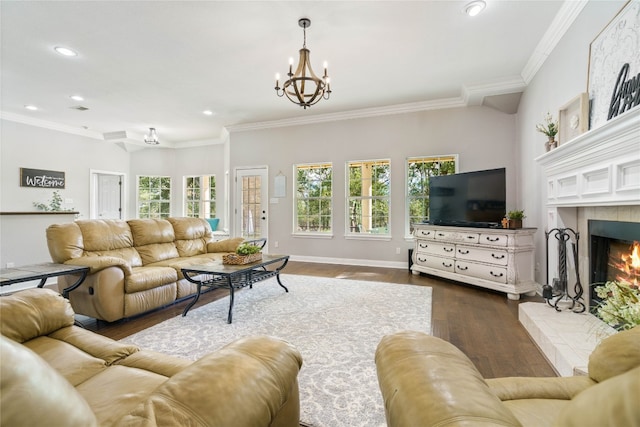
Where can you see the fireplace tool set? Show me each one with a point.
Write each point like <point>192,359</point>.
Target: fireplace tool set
<point>558,291</point>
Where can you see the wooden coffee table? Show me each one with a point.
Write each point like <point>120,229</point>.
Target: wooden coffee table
<point>234,277</point>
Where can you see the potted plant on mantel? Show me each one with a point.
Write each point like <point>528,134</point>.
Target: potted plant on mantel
<point>549,128</point>
<point>514,219</point>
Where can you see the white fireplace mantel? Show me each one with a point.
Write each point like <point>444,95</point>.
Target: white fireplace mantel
<point>598,168</point>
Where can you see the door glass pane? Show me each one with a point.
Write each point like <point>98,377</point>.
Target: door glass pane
<point>251,205</point>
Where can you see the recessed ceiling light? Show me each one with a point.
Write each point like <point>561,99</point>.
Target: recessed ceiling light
<point>475,7</point>
<point>208,113</point>
<point>77,98</point>
<point>31,107</point>
<point>65,51</point>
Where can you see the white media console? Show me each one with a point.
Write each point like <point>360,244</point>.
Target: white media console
<point>498,259</point>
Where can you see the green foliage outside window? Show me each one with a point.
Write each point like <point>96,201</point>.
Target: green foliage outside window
<point>313,198</point>
<point>154,197</point>
<point>200,196</point>
<point>419,170</point>
<point>369,196</point>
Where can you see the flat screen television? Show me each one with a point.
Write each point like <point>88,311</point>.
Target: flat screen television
<point>470,199</point>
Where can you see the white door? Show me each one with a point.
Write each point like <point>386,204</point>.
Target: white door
<point>251,203</point>
<point>107,195</point>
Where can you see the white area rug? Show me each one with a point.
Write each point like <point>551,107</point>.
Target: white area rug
<point>336,324</point>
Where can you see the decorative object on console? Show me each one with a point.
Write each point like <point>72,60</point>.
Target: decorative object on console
<point>558,292</point>
<point>152,137</point>
<point>614,64</point>
<point>514,219</point>
<point>549,128</point>
<point>303,87</point>
<point>573,118</point>
<point>620,305</point>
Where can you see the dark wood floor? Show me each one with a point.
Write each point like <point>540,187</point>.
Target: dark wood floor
<point>482,323</point>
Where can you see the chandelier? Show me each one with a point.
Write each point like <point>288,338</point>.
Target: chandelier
<point>152,137</point>
<point>303,87</point>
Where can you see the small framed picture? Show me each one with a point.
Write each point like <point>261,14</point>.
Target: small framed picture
<point>573,118</point>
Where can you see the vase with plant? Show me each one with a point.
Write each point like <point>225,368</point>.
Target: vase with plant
<point>619,304</point>
<point>550,128</point>
<point>514,219</point>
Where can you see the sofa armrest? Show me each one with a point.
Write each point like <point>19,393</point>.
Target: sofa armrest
<point>97,263</point>
<point>515,388</point>
<point>253,380</point>
<point>427,381</point>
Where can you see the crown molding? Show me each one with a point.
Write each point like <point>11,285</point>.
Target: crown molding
<point>353,114</point>
<point>18,118</point>
<point>563,20</point>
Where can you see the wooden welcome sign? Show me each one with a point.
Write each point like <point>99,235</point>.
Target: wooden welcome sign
<point>41,178</point>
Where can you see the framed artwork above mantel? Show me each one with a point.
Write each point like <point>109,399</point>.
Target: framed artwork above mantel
<point>614,67</point>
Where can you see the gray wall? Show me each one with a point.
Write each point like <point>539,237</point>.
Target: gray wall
<point>562,77</point>
<point>484,138</point>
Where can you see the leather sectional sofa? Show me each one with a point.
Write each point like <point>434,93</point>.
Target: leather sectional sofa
<point>426,381</point>
<point>135,265</point>
<point>56,374</point>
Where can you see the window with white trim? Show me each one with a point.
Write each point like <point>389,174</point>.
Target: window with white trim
<point>419,170</point>
<point>313,198</point>
<point>368,197</point>
<point>200,196</point>
<point>154,196</point>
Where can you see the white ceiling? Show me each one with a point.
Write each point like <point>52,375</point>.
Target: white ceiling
<point>159,64</point>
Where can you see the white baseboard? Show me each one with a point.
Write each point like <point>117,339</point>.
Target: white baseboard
<point>350,261</point>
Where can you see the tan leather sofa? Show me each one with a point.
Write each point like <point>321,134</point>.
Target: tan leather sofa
<point>426,381</point>
<point>59,375</point>
<point>135,265</point>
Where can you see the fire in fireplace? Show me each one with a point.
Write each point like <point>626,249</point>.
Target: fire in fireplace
<point>614,253</point>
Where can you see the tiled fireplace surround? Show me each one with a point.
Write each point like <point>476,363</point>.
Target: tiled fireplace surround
<point>594,176</point>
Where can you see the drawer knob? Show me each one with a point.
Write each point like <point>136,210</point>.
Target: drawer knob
<point>422,259</point>
<point>462,268</point>
<point>495,239</point>
<point>448,249</point>
<point>496,275</point>
<point>424,245</point>
<point>460,251</point>
<point>497,256</point>
<point>441,234</point>
<point>447,265</point>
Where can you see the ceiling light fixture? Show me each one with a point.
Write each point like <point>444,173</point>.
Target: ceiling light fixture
<point>152,137</point>
<point>475,7</point>
<point>76,98</point>
<point>31,107</point>
<point>303,87</point>
<point>65,51</point>
<point>207,113</point>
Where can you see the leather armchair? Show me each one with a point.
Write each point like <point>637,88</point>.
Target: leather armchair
<point>426,381</point>
<point>56,374</point>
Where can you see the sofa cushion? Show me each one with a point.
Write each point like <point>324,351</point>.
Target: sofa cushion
<point>148,231</point>
<point>149,277</point>
<point>73,364</point>
<point>105,235</point>
<point>33,312</point>
<point>615,355</point>
<point>34,394</point>
<point>613,402</point>
<point>227,245</point>
<point>64,241</point>
<point>116,391</point>
<point>192,235</point>
<point>157,252</point>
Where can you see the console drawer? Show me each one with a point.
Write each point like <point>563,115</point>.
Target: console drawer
<point>481,271</point>
<point>493,239</point>
<point>435,248</point>
<point>439,263</point>
<point>491,256</point>
<point>424,233</point>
